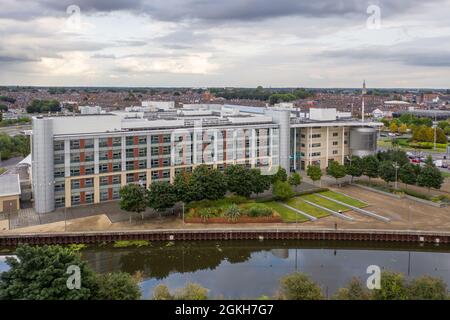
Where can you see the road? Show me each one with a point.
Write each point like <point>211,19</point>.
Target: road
<point>14,130</point>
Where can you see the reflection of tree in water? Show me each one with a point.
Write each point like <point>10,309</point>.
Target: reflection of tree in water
<point>160,259</point>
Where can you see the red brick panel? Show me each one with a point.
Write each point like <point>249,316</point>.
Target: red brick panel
<point>136,176</point>
<point>81,143</point>
<point>82,171</point>
<point>110,167</point>
<point>136,152</point>
<point>82,157</point>
<point>82,197</point>
<point>136,140</point>
<point>110,179</point>
<point>82,183</point>
<point>110,154</point>
<point>110,194</point>
<point>110,142</point>
<point>136,164</point>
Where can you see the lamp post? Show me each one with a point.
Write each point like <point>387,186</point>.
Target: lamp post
<point>434,127</point>
<point>396,166</point>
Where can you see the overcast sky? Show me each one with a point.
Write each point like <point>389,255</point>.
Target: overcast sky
<point>197,43</point>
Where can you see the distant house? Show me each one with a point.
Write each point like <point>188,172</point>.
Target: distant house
<point>377,114</point>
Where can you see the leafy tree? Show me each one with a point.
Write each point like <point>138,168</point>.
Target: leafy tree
<point>133,198</point>
<point>387,171</point>
<point>354,290</point>
<point>118,286</point>
<point>39,273</point>
<point>239,180</point>
<point>298,286</point>
<point>430,177</point>
<point>260,182</point>
<point>161,196</point>
<point>398,156</point>
<point>161,292</point>
<point>206,183</point>
<point>44,106</point>
<point>282,190</point>
<point>18,145</point>
<point>429,161</point>
<point>281,175</point>
<point>427,288</point>
<point>3,108</point>
<point>393,127</point>
<point>182,187</point>
<point>295,179</point>
<point>336,170</point>
<point>392,287</point>
<point>408,173</point>
<point>314,172</point>
<point>354,168</point>
<point>403,128</point>
<point>370,166</point>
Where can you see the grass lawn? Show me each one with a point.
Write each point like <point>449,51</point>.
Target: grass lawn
<point>324,202</point>
<point>307,208</point>
<point>344,198</point>
<point>287,214</point>
<point>445,174</point>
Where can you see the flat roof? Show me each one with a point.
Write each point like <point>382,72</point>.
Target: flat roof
<point>9,185</point>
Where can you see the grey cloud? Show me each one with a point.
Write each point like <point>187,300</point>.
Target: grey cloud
<point>16,59</point>
<point>229,10</point>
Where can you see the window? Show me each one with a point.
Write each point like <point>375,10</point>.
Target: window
<point>142,140</point>
<point>75,184</point>
<point>130,141</point>
<point>155,139</point>
<point>117,141</point>
<point>104,196</point>
<point>335,134</point>
<point>89,143</point>
<point>75,144</point>
<point>103,142</point>
<point>335,152</point>
<point>166,138</point>
<point>89,197</point>
<point>74,171</point>
<point>155,175</point>
<point>316,135</point>
<point>315,145</point>
<point>155,151</point>
<point>117,167</point>
<point>335,143</point>
<point>130,177</point>
<point>345,141</point>
<point>130,165</point>
<point>142,164</point>
<point>89,170</point>
<point>103,155</point>
<point>166,150</point>
<point>60,202</point>
<point>166,162</point>
<point>142,152</point>
<point>116,179</point>
<point>117,154</point>
<point>103,168</point>
<point>58,145</point>
<point>116,194</point>
<point>58,158</point>
<point>103,181</point>
<point>89,156</point>
<point>130,153</point>
<point>74,157</point>
<point>155,162</point>
<point>89,182</point>
<point>58,173</point>
<point>59,186</point>
<point>315,154</point>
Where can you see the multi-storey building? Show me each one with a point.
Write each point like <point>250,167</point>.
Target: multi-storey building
<point>86,159</point>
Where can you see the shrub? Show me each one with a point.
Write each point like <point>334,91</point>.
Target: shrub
<point>354,290</point>
<point>427,288</point>
<point>236,199</point>
<point>258,210</point>
<point>161,292</point>
<point>233,212</point>
<point>298,286</point>
<point>191,291</point>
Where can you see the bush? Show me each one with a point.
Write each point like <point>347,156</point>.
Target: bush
<point>258,210</point>
<point>233,212</point>
<point>236,199</point>
<point>427,288</point>
<point>191,291</point>
<point>161,292</point>
<point>298,286</point>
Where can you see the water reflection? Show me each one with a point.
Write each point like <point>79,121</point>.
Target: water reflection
<point>249,269</point>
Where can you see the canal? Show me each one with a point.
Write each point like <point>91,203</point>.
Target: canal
<point>249,269</point>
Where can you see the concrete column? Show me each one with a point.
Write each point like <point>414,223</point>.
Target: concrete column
<point>124,154</point>
<point>96,156</point>
<point>327,142</point>
<point>149,152</point>
<point>253,148</point>
<point>67,157</point>
<point>343,144</point>
<point>295,149</point>
<point>149,178</point>
<point>123,179</point>
<point>67,193</point>
<point>96,189</point>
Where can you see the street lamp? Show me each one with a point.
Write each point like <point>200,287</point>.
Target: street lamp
<point>396,166</point>
<point>434,127</point>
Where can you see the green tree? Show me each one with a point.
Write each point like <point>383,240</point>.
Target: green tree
<point>133,199</point>
<point>281,175</point>
<point>393,127</point>
<point>408,173</point>
<point>260,182</point>
<point>386,171</point>
<point>161,196</point>
<point>392,287</point>
<point>3,108</point>
<point>430,177</point>
<point>192,291</point>
<point>354,168</point>
<point>282,190</point>
<point>40,273</point>
<point>295,179</point>
<point>118,286</point>
<point>429,161</point>
<point>207,183</point>
<point>370,166</point>
<point>239,180</point>
<point>355,290</point>
<point>182,187</point>
<point>314,172</point>
<point>298,286</point>
<point>427,288</point>
<point>336,170</point>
